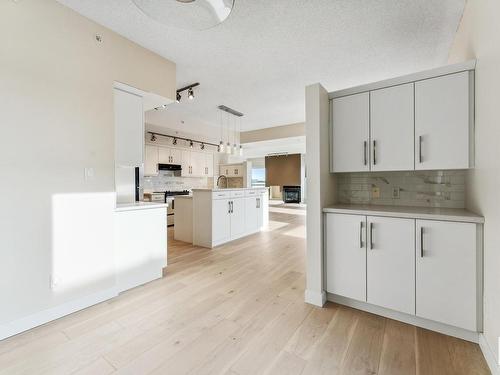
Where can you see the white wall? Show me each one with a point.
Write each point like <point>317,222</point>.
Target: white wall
<point>320,187</point>
<point>479,37</point>
<point>56,118</point>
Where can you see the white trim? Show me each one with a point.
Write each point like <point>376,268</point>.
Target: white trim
<point>45,316</point>
<point>489,356</point>
<point>441,71</point>
<point>315,298</point>
<point>406,318</point>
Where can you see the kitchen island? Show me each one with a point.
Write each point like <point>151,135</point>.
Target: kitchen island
<point>223,215</point>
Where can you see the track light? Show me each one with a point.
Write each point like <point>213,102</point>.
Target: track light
<point>191,144</point>
<point>241,151</point>
<point>153,137</point>
<point>174,142</point>
<point>178,98</point>
<point>191,94</point>
<point>221,147</point>
<point>202,146</point>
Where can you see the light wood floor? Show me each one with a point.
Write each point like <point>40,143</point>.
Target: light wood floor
<point>237,309</point>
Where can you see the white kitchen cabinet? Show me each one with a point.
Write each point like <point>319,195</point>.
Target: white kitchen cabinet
<point>263,209</point>
<point>209,165</point>
<point>221,214</point>
<point>446,273</point>
<point>390,263</point>
<point>444,122</point>
<point>186,163</point>
<point>392,128</point>
<point>151,160</point>
<point>232,170</point>
<point>350,133</point>
<point>345,253</point>
<point>197,164</point>
<point>252,213</point>
<point>129,129</point>
<point>168,155</point>
<point>238,218</point>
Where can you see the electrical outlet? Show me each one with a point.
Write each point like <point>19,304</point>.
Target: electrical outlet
<point>375,192</point>
<point>395,192</point>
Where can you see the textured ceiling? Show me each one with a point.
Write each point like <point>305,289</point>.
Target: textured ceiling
<point>261,58</point>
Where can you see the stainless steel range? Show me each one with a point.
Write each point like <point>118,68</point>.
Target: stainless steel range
<point>168,197</point>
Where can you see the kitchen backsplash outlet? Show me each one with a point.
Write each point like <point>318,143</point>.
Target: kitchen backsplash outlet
<point>419,189</point>
<point>164,182</point>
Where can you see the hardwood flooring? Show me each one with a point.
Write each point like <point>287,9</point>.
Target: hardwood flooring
<point>237,309</point>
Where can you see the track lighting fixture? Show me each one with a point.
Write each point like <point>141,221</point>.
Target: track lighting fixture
<point>202,146</point>
<point>174,141</point>
<point>191,144</point>
<point>153,137</point>
<point>189,89</point>
<point>241,151</point>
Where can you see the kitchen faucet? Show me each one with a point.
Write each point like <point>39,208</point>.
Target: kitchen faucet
<point>218,179</point>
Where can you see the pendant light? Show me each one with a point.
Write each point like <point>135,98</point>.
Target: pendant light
<point>235,150</point>
<point>239,135</point>
<point>228,145</point>
<point>221,143</point>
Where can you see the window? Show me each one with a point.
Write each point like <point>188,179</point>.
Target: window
<point>258,177</point>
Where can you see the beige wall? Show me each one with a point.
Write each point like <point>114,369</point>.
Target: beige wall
<point>276,132</point>
<point>479,37</point>
<point>283,170</point>
<point>56,118</point>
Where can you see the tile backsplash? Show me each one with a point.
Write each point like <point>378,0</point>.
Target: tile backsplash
<point>164,182</point>
<point>416,188</point>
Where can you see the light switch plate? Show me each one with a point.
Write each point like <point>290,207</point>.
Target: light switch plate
<point>88,174</point>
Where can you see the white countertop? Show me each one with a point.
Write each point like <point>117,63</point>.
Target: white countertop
<point>139,206</point>
<point>229,189</point>
<point>183,197</point>
<point>431,213</point>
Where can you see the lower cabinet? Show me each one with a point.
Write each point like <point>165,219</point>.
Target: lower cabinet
<point>427,268</point>
<point>251,214</point>
<point>221,211</point>
<point>446,272</point>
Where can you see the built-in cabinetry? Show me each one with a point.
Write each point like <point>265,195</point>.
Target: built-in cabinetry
<point>194,163</point>
<point>418,125</point>
<point>221,216</point>
<point>232,170</point>
<point>427,268</point>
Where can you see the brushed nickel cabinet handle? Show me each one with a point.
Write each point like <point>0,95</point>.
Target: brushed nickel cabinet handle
<point>374,152</point>
<point>421,242</point>
<point>420,149</point>
<point>361,234</point>
<point>364,152</point>
<point>371,236</point>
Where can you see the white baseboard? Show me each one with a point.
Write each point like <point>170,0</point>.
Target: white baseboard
<point>407,318</point>
<point>315,298</point>
<point>45,316</point>
<point>489,355</point>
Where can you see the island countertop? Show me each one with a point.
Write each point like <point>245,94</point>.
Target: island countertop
<point>229,189</point>
<point>139,206</point>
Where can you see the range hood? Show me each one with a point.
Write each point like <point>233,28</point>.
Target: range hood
<point>171,169</point>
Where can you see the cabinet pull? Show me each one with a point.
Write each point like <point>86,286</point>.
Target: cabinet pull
<point>421,242</point>
<point>361,234</point>
<point>364,153</point>
<point>228,207</point>
<point>371,236</point>
<point>374,152</point>
<point>232,207</point>
<point>420,149</point>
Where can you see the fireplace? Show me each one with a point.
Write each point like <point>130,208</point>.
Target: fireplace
<point>291,194</point>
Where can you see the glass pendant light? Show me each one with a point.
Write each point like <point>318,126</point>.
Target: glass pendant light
<point>221,143</point>
<point>228,145</point>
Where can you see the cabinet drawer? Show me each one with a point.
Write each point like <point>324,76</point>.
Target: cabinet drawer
<point>237,193</point>
<point>251,193</point>
<point>221,194</point>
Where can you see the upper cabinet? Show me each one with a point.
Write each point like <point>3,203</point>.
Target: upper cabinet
<point>350,133</point>
<point>129,129</point>
<point>424,124</point>
<point>391,128</point>
<point>168,155</point>
<point>151,161</point>
<point>443,122</point>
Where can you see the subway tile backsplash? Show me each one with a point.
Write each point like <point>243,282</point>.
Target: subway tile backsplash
<point>416,188</point>
<point>164,182</point>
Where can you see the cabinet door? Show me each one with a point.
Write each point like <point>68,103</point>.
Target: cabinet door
<point>151,161</point>
<point>197,164</point>
<point>346,255</point>
<point>392,128</point>
<point>209,165</point>
<point>237,217</point>
<point>350,133</point>
<point>186,163</point>
<point>442,119</point>
<point>263,210</point>
<point>446,278</point>
<point>164,155</point>
<point>251,214</point>
<point>129,129</point>
<point>221,220</point>
<point>390,263</point>
<point>175,156</point>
